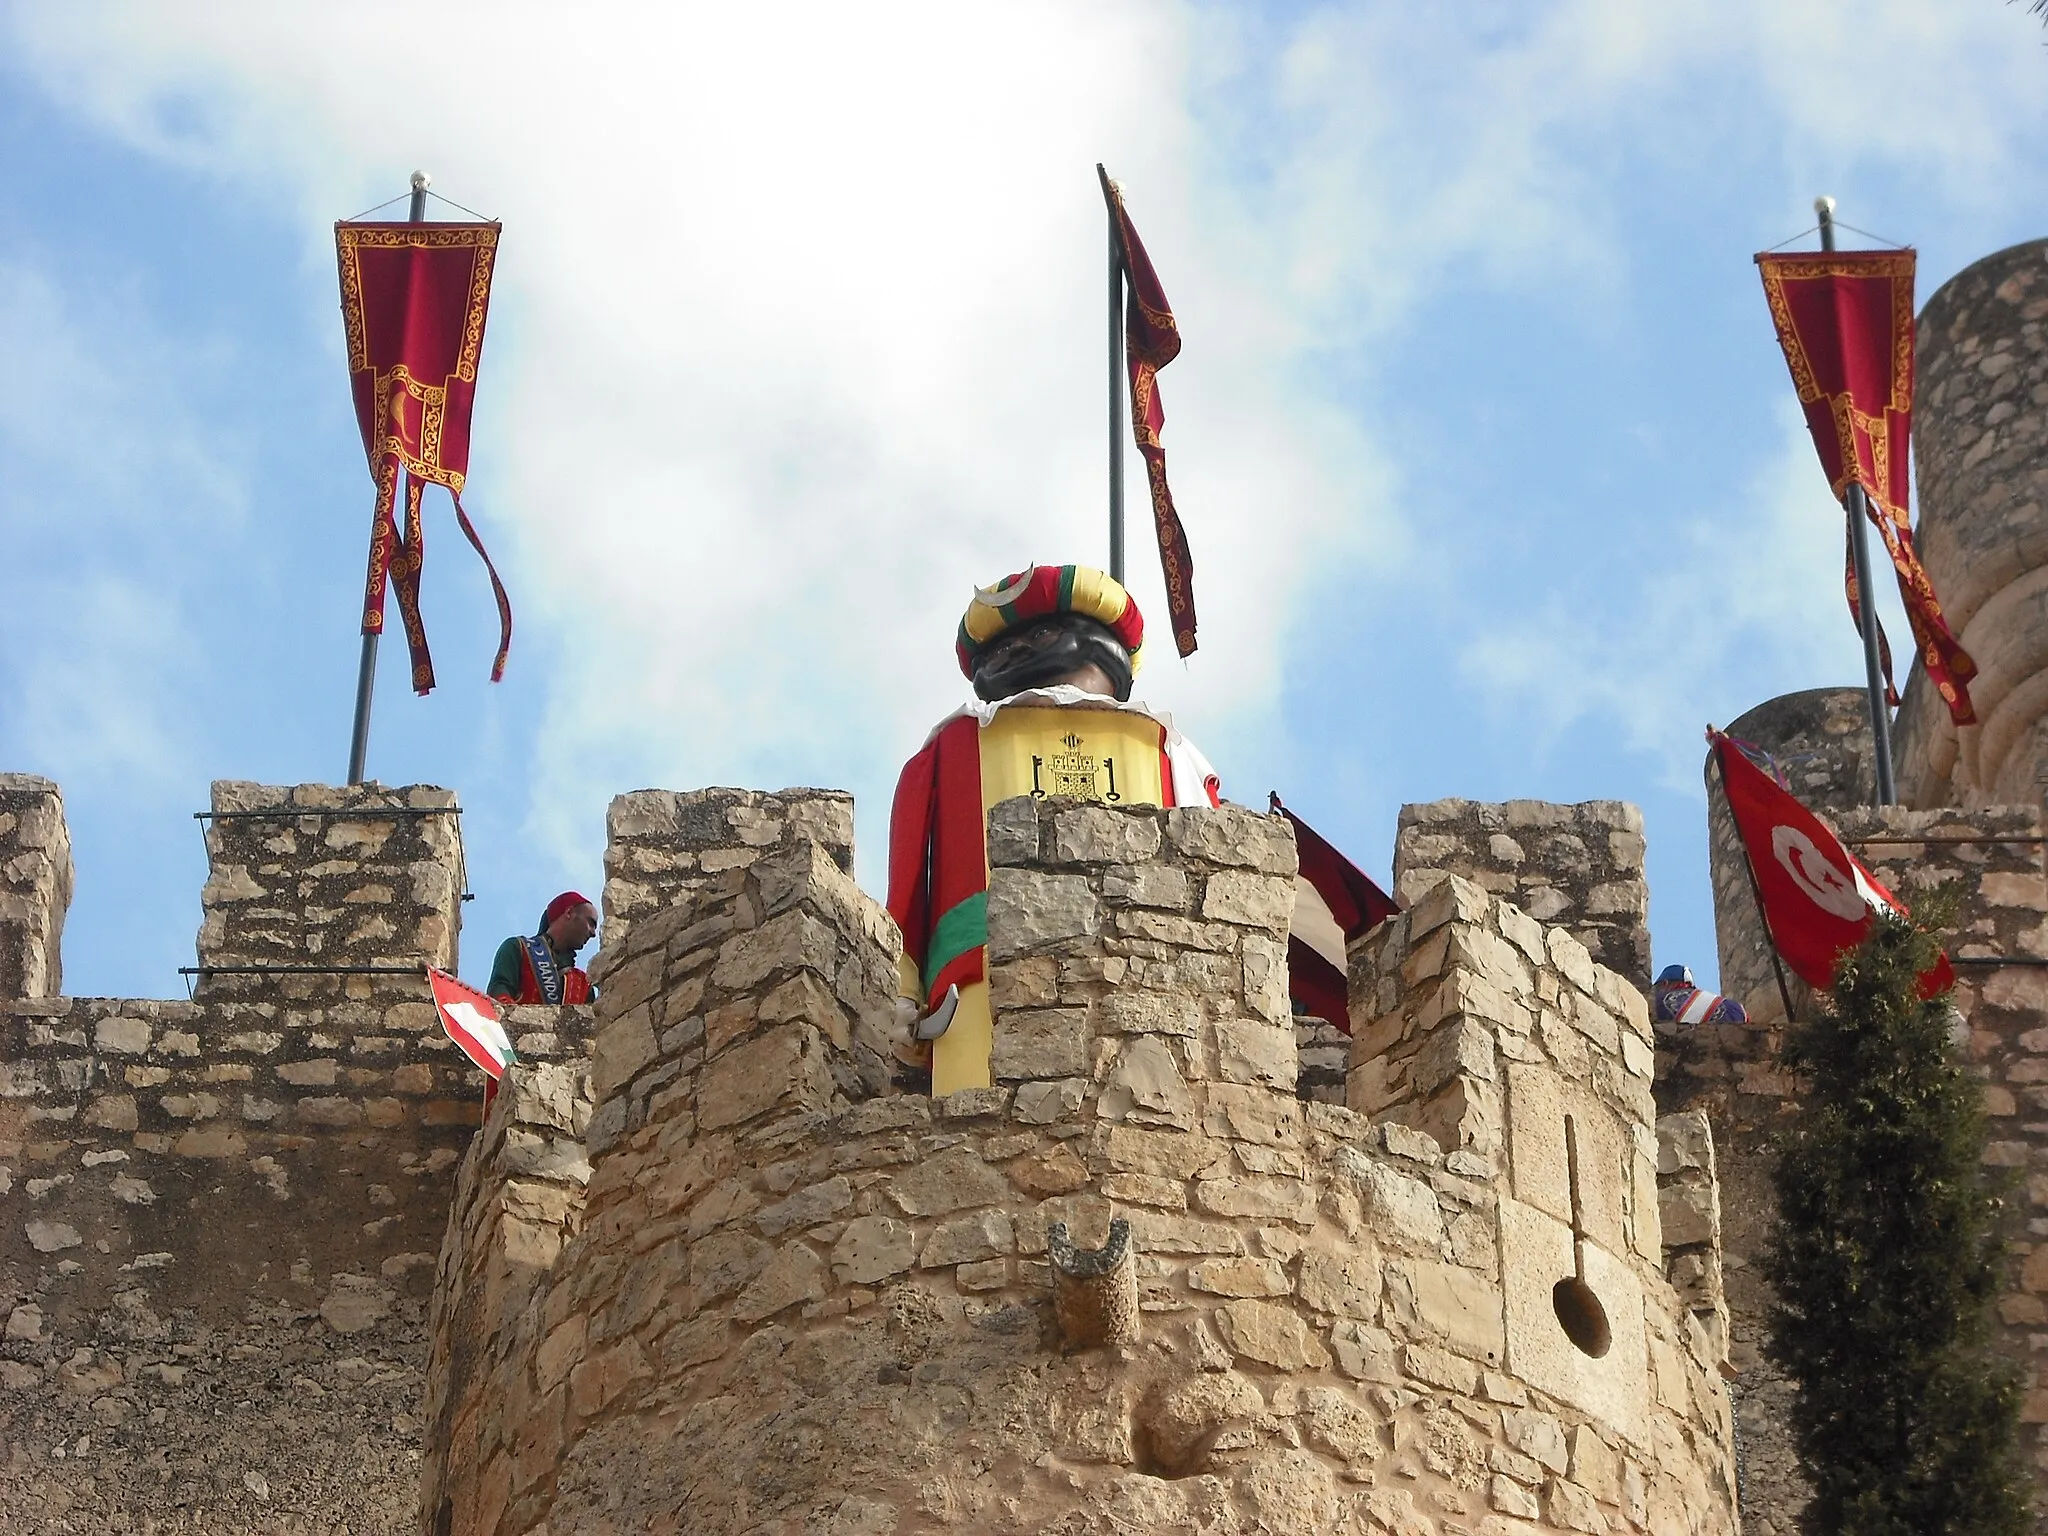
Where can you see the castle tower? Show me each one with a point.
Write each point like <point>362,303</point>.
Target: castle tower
<point>1137,1285</point>
<point>1980,443</point>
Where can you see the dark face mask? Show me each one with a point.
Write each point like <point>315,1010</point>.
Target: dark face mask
<point>1035,654</point>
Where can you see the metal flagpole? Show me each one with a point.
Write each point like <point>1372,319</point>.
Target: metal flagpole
<point>1855,504</point>
<point>366,669</point>
<point>1116,380</point>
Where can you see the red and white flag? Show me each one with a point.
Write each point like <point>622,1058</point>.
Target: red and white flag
<point>1334,902</point>
<point>1817,897</point>
<point>471,1020</point>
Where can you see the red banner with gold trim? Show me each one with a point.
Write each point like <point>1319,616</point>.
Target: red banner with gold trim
<point>1845,320</point>
<point>1151,341</point>
<point>414,298</point>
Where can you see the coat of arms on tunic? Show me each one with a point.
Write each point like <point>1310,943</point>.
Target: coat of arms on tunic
<point>1074,774</point>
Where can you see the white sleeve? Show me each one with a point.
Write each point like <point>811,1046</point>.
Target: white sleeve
<point>1194,778</point>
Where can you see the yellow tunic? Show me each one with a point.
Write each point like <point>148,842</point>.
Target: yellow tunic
<point>1110,756</point>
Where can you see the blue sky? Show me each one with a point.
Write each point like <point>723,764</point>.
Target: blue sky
<point>1491,467</point>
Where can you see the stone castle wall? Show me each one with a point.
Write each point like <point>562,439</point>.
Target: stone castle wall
<point>790,1298</point>
<point>219,1217</point>
<point>1579,867</point>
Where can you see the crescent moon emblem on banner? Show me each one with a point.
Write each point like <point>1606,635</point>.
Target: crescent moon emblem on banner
<point>1830,889</point>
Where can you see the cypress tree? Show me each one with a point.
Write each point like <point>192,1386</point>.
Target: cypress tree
<point>1887,1260</point>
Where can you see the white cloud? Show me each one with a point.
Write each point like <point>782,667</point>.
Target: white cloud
<point>1746,603</point>
<point>103,457</point>
<point>798,325</point>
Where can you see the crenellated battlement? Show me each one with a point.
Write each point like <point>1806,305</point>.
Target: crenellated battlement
<point>199,1193</point>
<point>794,1296</point>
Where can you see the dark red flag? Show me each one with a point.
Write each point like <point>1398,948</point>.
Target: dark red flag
<point>1845,320</point>
<point>1151,341</point>
<point>1817,897</point>
<point>1334,902</point>
<point>413,300</point>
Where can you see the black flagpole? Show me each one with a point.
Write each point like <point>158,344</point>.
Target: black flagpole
<point>1116,380</point>
<point>1856,506</point>
<point>366,669</point>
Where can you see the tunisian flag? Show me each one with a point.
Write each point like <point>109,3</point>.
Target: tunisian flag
<point>1334,902</point>
<point>413,301</point>
<point>1151,341</point>
<point>1818,899</point>
<point>471,1020</point>
<point>1845,321</point>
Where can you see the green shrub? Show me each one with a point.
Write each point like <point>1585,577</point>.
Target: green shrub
<point>1888,1258</point>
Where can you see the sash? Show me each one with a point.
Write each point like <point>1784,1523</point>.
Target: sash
<point>547,975</point>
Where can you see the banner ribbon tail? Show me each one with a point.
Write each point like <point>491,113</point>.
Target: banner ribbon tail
<point>497,591</point>
<point>405,570</point>
<point>383,532</point>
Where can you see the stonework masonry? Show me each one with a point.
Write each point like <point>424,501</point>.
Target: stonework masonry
<point>786,1297</point>
<point>35,886</point>
<point>662,845</point>
<point>708,1264</point>
<point>219,1217</point>
<point>1579,867</point>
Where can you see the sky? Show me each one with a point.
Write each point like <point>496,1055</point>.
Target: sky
<point>1493,474</point>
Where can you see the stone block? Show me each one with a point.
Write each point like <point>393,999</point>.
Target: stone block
<point>1030,909</point>
<point>951,1180</point>
<point>1249,900</point>
<point>1230,835</point>
<point>1461,1307</point>
<point>1238,1277</point>
<point>966,1239</point>
<point>1402,1212</point>
<point>1145,1087</point>
<point>1536,1254</point>
<point>1539,1103</point>
<point>782,1070</point>
<point>1270,1334</point>
<point>1091,834</point>
<point>122,1036</point>
<point>1341,1284</point>
<point>1257,1053</point>
<point>1043,1043</point>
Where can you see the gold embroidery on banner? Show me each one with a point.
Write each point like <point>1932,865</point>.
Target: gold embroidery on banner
<point>482,241</point>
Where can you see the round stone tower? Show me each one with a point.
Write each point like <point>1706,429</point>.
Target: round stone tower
<point>1980,439</point>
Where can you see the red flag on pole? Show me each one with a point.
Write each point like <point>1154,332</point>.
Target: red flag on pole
<point>1334,902</point>
<point>413,301</point>
<point>1151,341</point>
<point>1817,897</point>
<point>1845,321</point>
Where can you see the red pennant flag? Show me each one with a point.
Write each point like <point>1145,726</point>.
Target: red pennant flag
<point>1845,321</point>
<point>413,301</point>
<point>1334,902</point>
<point>1817,897</point>
<point>1151,341</point>
<point>471,1020</point>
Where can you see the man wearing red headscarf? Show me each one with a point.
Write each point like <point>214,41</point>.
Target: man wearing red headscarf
<point>542,968</point>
